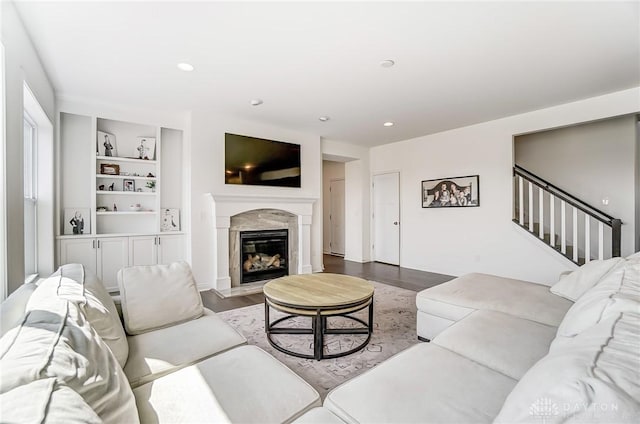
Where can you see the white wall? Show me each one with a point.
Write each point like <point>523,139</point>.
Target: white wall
<point>606,150</point>
<point>207,176</point>
<point>331,171</point>
<point>21,64</point>
<point>357,189</point>
<point>483,239</point>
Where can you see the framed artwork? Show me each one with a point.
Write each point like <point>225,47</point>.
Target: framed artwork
<point>128,185</point>
<point>106,144</point>
<point>77,221</point>
<point>145,148</point>
<point>109,169</point>
<point>170,220</point>
<point>451,192</point>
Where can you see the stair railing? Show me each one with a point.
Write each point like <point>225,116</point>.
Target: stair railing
<point>527,205</point>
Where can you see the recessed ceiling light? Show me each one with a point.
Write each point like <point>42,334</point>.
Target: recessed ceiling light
<point>388,124</point>
<point>256,102</point>
<point>388,63</point>
<point>187,67</point>
<point>324,118</point>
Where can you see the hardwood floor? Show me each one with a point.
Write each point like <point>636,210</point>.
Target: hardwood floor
<point>405,278</point>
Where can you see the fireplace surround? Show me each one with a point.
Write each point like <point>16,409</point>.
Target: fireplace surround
<point>235,213</point>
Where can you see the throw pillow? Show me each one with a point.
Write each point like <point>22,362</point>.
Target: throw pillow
<point>158,296</point>
<point>46,401</point>
<point>590,308</point>
<point>595,379</point>
<point>575,284</point>
<point>57,341</point>
<point>98,306</point>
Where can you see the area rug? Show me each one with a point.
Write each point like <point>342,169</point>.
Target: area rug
<point>394,330</point>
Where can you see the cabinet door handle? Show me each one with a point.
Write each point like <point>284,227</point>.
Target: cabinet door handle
<point>94,244</point>
<point>158,241</point>
<point>98,244</point>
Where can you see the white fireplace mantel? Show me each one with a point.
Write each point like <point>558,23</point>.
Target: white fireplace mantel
<point>228,205</point>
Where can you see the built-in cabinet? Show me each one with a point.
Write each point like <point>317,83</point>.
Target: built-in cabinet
<point>112,173</point>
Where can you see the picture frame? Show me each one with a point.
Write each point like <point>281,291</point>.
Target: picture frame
<point>77,221</point>
<point>451,192</point>
<point>170,219</point>
<point>106,144</point>
<point>128,185</point>
<point>145,148</point>
<point>109,169</point>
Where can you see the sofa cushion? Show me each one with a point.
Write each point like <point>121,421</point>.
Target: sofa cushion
<point>13,308</point>
<point>425,383</point>
<point>575,284</point>
<point>594,379</point>
<point>158,296</point>
<point>165,350</point>
<point>460,296</point>
<point>45,401</point>
<point>57,341</point>
<point>319,415</point>
<point>98,307</point>
<point>243,385</point>
<point>617,292</point>
<point>502,342</point>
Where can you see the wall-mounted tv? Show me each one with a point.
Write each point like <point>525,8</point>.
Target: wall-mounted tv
<point>256,161</point>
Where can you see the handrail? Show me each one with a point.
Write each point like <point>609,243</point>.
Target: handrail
<point>560,193</point>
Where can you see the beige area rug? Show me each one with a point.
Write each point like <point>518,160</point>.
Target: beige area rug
<point>394,330</point>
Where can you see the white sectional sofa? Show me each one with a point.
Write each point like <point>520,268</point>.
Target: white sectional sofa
<point>65,356</point>
<point>510,351</point>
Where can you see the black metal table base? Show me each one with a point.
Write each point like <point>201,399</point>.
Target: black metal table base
<point>319,329</point>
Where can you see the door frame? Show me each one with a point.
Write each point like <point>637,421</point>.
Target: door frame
<point>344,213</point>
<point>400,217</point>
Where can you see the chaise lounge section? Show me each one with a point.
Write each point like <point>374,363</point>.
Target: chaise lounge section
<point>505,350</point>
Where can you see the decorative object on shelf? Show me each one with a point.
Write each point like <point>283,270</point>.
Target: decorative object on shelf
<point>112,187</point>
<point>128,185</point>
<point>102,209</point>
<point>150,175</point>
<point>115,208</point>
<point>151,185</point>
<point>451,192</point>
<point>146,148</point>
<point>136,208</point>
<point>101,187</point>
<point>77,221</point>
<point>139,190</point>
<point>109,169</point>
<point>170,220</point>
<point>106,144</point>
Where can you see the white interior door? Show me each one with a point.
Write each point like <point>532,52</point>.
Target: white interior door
<point>386,218</point>
<point>336,188</point>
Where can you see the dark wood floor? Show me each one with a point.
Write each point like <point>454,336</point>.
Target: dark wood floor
<point>405,278</point>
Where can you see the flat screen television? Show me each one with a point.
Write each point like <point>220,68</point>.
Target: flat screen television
<point>256,161</point>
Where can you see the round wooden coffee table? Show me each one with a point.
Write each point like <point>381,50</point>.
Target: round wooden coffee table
<point>319,296</point>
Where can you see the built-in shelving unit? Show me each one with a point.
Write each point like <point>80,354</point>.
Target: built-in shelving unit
<point>116,182</point>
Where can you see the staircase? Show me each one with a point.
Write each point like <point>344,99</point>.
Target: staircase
<point>566,224</point>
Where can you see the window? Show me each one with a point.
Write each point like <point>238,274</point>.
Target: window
<point>30,196</point>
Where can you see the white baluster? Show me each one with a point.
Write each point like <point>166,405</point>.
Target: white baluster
<point>552,220</point>
<point>563,227</point>
<point>600,240</point>
<point>575,234</point>
<point>521,199</point>
<point>531,207</point>
<point>541,212</point>
<point>587,238</point>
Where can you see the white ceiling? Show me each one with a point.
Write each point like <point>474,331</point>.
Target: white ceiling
<point>456,63</point>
